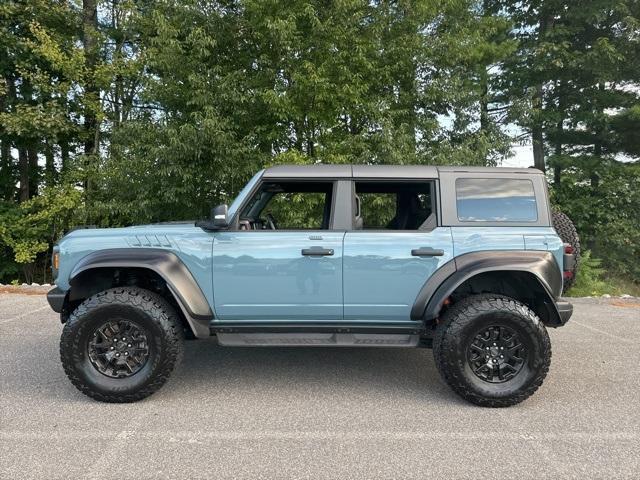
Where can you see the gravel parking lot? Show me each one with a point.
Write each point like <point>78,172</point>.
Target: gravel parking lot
<point>322,413</point>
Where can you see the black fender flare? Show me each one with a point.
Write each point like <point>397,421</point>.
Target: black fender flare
<point>167,265</point>
<point>542,265</point>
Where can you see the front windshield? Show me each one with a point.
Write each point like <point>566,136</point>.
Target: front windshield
<point>243,193</point>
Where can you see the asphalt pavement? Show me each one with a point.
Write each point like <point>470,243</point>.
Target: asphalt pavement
<point>323,413</point>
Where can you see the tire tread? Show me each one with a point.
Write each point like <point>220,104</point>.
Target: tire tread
<point>450,328</point>
<point>150,303</point>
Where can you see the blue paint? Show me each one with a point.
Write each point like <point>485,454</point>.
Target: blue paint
<point>191,244</point>
<point>382,278</point>
<point>263,276</point>
<point>477,239</point>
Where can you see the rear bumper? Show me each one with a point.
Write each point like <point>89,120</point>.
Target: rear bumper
<point>56,297</point>
<point>565,310</point>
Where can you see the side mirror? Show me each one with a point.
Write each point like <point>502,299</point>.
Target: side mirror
<point>219,216</point>
<point>218,220</point>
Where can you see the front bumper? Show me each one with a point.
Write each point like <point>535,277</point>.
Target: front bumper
<point>565,310</point>
<point>56,297</point>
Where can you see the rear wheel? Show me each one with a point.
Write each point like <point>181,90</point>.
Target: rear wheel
<point>567,232</point>
<point>121,345</point>
<point>492,350</point>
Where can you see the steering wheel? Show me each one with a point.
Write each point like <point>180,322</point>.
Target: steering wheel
<point>271,222</point>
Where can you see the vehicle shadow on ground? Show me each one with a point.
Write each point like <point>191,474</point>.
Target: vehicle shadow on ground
<point>339,370</point>
<point>209,370</point>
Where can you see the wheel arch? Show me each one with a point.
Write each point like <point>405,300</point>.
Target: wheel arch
<point>127,266</point>
<point>532,277</point>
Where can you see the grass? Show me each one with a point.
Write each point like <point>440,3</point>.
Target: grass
<point>593,281</point>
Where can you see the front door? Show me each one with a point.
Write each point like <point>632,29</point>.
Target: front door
<point>283,262</point>
<point>394,249</point>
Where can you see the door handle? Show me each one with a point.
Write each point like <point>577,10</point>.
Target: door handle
<point>317,251</point>
<point>427,252</point>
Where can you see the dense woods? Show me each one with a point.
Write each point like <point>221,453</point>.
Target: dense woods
<point>115,112</point>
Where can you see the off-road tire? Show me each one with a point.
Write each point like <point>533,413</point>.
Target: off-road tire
<point>457,330</point>
<point>165,338</point>
<point>567,232</point>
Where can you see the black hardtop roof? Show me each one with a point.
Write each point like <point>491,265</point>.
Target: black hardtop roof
<point>382,171</point>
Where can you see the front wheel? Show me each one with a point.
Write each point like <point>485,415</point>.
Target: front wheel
<point>121,345</point>
<point>492,350</point>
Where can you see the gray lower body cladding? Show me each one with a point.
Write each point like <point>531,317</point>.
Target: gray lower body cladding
<point>320,334</point>
<point>565,310</point>
<point>56,298</point>
<point>318,339</point>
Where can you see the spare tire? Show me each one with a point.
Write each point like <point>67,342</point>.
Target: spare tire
<point>566,230</point>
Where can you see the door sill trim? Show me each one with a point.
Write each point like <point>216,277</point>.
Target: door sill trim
<point>411,328</point>
<point>318,339</point>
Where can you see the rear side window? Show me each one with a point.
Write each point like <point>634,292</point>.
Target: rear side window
<point>395,206</point>
<point>495,200</point>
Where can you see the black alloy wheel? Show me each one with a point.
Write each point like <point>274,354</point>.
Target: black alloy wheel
<point>118,348</point>
<point>496,354</point>
<point>492,350</point>
<point>122,344</point>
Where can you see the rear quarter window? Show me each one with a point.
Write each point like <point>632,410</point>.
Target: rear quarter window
<point>495,200</point>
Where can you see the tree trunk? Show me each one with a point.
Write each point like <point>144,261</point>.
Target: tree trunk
<point>23,167</point>
<point>49,167</point>
<point>597,144</point>
<point>557,168</point>
<point>6,171</point>
<point>484,101</point>
<point>27,155</point>
<point>91,100</point>
<point>484,87</point>
<point>537,130</point>
<point>6,164</point>
<point>6,161</point>
<point>34,171</point>
<point>537,134</point>
<point>538,147</point>
<point>484,108</point>
<point>64,157</point>
<point>118,82</point>
<point>557,174</point>
<point>297,129</point>
<point>408,101</point>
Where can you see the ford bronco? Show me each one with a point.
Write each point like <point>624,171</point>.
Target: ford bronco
<point>463,260</point>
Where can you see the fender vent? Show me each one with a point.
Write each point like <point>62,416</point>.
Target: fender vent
<point>149,241</point>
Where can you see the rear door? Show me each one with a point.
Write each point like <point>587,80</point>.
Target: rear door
<point>396,245</point>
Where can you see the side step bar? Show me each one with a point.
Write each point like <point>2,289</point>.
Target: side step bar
<point>400,334</point>
<point>317,340</point>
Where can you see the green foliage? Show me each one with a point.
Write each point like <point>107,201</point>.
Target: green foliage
<point>593,280</point>
<point>29,229</point>
<point>158,110</point>
<point>590,278</point>
<point>606,215</point>
<point>297,210</point>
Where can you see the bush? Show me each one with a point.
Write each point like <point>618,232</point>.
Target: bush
<point>603,200</point>
<point>29,229</point>
<point>590,278</point>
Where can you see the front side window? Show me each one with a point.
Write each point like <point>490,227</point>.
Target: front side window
<point>495,200</point>
<point>289,206</point>
<point>394,206</point>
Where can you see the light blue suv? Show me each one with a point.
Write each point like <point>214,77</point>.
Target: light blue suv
<point>464,260</point>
